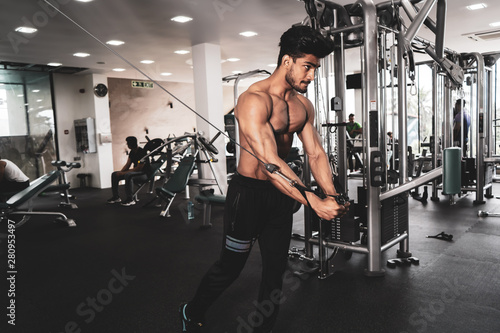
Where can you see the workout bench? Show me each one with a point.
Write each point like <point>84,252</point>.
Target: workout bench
<point>64,185</point>
<point>26,196</point>
<point>154,171</point>
<point>176,183</point>
<point>207,198</point>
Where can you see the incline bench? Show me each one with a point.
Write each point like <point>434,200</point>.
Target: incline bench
<point>64,185</point>
<point>207,198</point>
<point>11,206</point>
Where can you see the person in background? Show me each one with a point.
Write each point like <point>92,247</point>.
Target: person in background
<point>389,143</point>
<point>461,113</point>
<point>389,137</point>
<point>353,128</point>
<point>133,168</point>
<point>12,179</point>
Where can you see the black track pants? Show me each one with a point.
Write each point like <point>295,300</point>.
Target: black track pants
<point>254,209</point>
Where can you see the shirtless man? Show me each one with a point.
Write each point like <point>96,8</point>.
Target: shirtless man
<point>258,203</point>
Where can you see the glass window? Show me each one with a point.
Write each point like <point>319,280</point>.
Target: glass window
<point>420,108</point>
<point>27,123</point>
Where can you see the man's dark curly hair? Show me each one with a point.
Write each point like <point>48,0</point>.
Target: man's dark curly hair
<point>301,40</point>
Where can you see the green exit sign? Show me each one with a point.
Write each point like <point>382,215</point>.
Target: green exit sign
<point>142,84</point>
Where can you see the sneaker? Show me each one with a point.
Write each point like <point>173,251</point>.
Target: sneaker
<point>128,203</point>
<point>114,200</point>
<point>187,324</point>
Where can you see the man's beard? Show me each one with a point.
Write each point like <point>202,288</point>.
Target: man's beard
<point>290,80</point>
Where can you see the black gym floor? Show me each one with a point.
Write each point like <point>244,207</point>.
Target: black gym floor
<point>125,269</point>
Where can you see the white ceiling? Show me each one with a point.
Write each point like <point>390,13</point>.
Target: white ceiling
<point>148,32</point>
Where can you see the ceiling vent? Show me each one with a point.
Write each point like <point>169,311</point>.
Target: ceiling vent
<point>484,36</point>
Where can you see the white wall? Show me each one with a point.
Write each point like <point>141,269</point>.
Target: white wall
<point>132,110</point>
<point>103,158</point>
<point>71,104</point>
<point>354,104</point>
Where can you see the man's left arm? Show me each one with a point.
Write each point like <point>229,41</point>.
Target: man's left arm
<point>318,160</point>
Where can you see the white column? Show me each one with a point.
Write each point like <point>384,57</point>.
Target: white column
<point>104,163</point>
<point>208,98</point>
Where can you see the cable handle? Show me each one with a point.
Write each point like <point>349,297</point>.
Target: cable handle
<point>341,198</point>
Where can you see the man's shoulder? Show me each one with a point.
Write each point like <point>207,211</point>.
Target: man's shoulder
<point>255,93</point>
<point>255,100</point>
<point>305,101</point>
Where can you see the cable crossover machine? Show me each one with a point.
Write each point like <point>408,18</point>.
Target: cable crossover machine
<point>385,36</point>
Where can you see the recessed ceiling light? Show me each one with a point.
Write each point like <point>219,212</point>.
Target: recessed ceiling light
<point>115,42</point>
<point>166,74</point>
<point>476,6</point>
<point>119,69</point>
<point>54,64</point>
<point>26,30</point>
<point>39,100</point>
<point>248,33</point>
<point>495,24</point>
<point>181,51</point>
<point>237,72</point>
<point>84,0</point>
<point>35,91</point>
<point>147,62</point>
<point>233,59</point>
<point>81,54</point>
<point>181,19</point>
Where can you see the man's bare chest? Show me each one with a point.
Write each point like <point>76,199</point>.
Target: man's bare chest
<point>287,117</point>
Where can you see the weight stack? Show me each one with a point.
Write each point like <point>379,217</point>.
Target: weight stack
<point>394,217</point>
<point>452,170</point>
<point>345,229</point>
<point>489,169</point>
